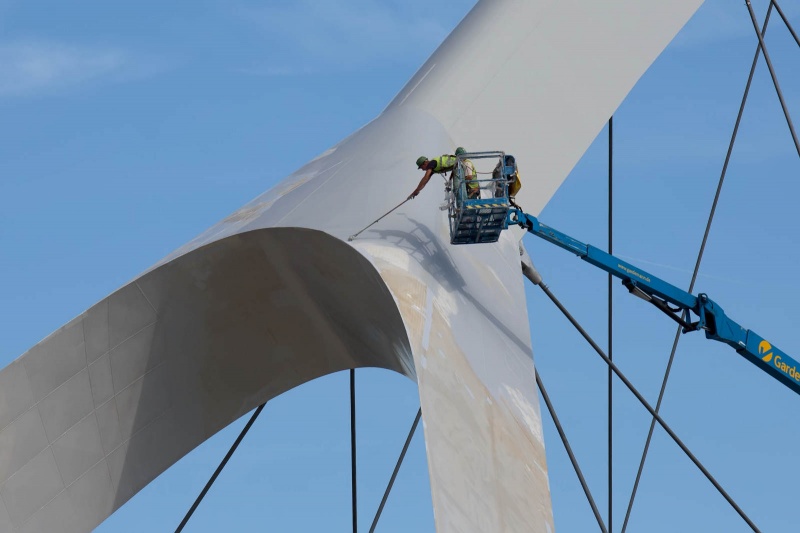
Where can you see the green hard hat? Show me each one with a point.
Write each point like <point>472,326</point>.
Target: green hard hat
<point>460,150</point>
<point>421,160</point>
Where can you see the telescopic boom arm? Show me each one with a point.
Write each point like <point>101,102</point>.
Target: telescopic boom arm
<point>676,303</point>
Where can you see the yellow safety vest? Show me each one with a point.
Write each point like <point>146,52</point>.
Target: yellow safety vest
<point>472,183</point>
<point>444,163</point>
<point>514,186</point>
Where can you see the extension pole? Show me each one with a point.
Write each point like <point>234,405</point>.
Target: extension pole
<point>351,237</point>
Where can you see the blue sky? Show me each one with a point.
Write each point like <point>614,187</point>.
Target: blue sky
<point>127,130</point>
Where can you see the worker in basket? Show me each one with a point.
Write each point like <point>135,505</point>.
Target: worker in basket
<point>443,164</point>
<point>470,175</point>
<point>507,169</point>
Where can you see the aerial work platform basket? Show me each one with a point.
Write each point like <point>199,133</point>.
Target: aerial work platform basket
<point>478,208</point>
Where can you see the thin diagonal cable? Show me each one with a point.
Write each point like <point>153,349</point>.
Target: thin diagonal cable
<point>396,470</point>
<point>772,74</point>
<point>610,325</point>
<point>353,447</point>
<point>694,274</point>
<point>649,408</point>
<point>786,21</point>
<point>567,447</point>
<point>220,467</point>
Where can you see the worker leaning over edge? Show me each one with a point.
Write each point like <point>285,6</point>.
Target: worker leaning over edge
<point>441,165</point>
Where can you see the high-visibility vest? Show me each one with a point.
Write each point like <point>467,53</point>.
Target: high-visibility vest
<point>515,185</point>
<point>444,163</point>
<point>472,182</point>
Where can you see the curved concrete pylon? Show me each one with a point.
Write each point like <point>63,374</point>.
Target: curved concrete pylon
<point>273,296</point>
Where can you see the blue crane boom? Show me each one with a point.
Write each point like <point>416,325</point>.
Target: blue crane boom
<point>480,218</point>
<point>676,303</point>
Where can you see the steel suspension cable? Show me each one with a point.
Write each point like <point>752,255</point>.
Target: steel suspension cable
<point>571,455</point>
<point>353,448</point>
<point>694,273</point>
<point>786,22</point>
<point>396,470</point>
<point>220,467</point>
<point>649,408</point>
<point>610,324</point>
<point>772,74</point>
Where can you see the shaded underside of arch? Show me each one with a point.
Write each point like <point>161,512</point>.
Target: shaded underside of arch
<point>105,404</point>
